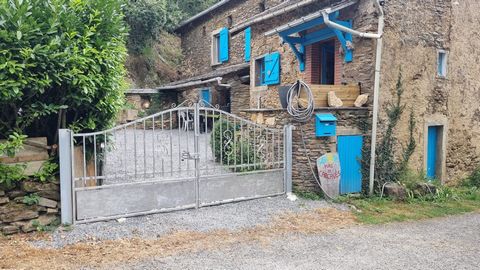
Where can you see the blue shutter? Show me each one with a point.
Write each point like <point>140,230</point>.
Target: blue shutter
<point>223,38</point>
<point>248,33</point>
<point>272,68</point>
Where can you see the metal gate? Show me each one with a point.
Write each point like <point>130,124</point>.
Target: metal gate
<point>184,157</point>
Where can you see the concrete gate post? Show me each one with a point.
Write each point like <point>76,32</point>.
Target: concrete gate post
<point>66,173</point>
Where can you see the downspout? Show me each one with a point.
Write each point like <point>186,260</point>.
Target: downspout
<point>376,89</point>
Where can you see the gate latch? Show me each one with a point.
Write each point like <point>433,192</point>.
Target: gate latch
<point>188,155</point>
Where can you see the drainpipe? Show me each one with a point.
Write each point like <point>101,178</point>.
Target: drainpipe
<point>376,89</point>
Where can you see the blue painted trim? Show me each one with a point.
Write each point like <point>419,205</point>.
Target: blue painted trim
<point>320,35</point>
<point>317,36</point>
<point>248,49</point>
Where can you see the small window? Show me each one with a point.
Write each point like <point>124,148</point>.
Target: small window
<point>220,46</point>
<point>260,71</point>
<point>267,69</point>
<point>229,21</point>
<point>442,63</point>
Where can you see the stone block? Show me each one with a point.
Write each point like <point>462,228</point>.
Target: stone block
<point>4,200</point>
<point>19,215</point>
<point>2,192</point>
<point>47,202</point>
<point>50,194</point>
<point>395,191</point>
<point>52,211</point>
<point>270,121</point>
<point>16,193</point>
<point>42,220</point>
<point>10,229</point>
<point>30,186</point>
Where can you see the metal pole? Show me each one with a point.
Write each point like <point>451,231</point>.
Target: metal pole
<point>196,156</point>
<point>288,162</point>
<point>66,175</point>
<point>376,94</point>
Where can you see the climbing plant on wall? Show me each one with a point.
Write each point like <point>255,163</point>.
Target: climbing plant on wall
<point>388,165</point>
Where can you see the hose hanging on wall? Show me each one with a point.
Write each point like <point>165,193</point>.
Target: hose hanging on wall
<point>301,110</point>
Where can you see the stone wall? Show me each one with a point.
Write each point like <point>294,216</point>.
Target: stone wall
<point>411,45</point>
<point>349,121</point>
<point>17,216</point>
<point>197,40</point>
<point>359,71</point>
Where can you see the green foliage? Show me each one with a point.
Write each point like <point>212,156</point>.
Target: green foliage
<point>447,201</point>
<point>61,61</point>
<point>146,18</point>
<point>9,174</point>
<point>46,228</point>
<point>388,168</point>
<point>230,150</point>
<point>47,172</point>
<point>14,143</point>
<point>474,179</point>
<point>31,199</point>
<point>313,196</point>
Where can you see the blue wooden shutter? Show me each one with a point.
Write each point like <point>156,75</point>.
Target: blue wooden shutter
<point>223,38</point>
<point>248,33</point>
<point>272,68</point>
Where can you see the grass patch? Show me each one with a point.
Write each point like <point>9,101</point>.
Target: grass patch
<point>307,195</point>
<point>384,210</point>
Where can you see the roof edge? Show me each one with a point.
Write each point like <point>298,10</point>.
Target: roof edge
<point>201,14</point>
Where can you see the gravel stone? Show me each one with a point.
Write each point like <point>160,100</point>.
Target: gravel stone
<point>233,216</point>
<point>445,243</point>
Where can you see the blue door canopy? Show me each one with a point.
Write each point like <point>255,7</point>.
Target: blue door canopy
<point>305,31</point>
<point>325,125</point>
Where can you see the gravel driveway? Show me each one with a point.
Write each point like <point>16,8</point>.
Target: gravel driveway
<point>270,233</point>
<point>446,243</point>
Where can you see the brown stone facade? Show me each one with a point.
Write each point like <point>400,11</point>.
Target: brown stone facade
<point>306,147</point>
<point>415,31</point>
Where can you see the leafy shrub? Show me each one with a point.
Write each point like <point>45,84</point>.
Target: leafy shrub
<point>61,61</point>
<point>474,179</point>
<point>230,150</point>
<point>31,199</point>
<point>10,174</point>
<point>46,172</point>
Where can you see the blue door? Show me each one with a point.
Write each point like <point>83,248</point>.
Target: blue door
<point>350,153</point>
<point>432,152</point>
<point>206,95</point>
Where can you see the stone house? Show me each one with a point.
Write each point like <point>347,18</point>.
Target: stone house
<point>239,54</point>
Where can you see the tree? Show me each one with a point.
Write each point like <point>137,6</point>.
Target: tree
<point>61,65</point>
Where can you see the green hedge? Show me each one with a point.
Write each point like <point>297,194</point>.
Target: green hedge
<point>60,58</point>
<point>230,149</point>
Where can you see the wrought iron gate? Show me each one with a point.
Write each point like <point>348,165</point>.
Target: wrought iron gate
<point>184,157</point>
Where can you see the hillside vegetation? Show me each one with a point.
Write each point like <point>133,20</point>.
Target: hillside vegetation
<point>153,51</point>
